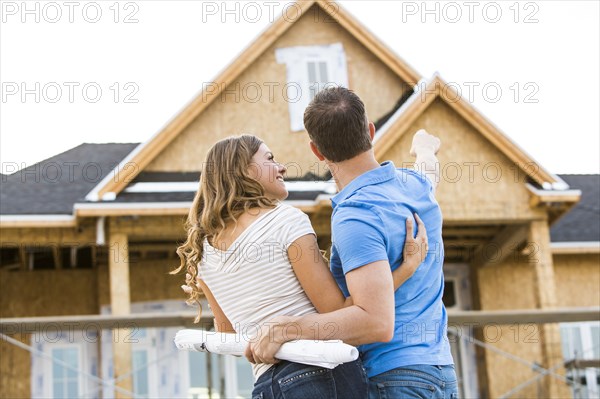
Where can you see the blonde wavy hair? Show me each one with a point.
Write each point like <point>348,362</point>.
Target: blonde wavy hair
<point>226,191</point>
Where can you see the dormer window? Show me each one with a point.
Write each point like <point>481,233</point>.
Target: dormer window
<point>310,69</point>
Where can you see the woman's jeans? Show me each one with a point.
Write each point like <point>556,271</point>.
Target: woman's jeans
<point>286,380</point>
<point>418,381</point>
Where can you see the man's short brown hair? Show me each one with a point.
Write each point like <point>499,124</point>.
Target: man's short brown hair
<point>337,124</point>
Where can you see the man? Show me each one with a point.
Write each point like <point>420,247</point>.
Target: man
<point>402,334</point>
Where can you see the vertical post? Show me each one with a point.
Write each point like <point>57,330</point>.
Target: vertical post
<point>540,257</point>
<point>118,270</point>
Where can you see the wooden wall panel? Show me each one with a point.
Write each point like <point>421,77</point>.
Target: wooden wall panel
<point>476,181</point>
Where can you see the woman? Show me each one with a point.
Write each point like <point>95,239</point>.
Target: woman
<point>255,258</point>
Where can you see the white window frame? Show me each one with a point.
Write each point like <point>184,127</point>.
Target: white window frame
<point>49,369</point>
<point>147,345</point>
<point>585,332</point>
<point>298,86</point>
<point>41,367</point>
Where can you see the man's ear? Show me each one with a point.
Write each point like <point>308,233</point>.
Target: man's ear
<point>371,130</point>
<point>315,151</point>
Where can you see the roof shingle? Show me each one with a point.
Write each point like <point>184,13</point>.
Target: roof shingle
<point>54,185</point>
<point>582,223</point>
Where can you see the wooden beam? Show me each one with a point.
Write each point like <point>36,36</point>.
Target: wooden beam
<point>20,221</point>
<point>525,316</point>
<point>464,242</point>
<point>149,227</point>
<point>84,234</point>
<point>120,302</point>
<point>23,257</point>
<point>57,256</point>
<point>500,247</point>
<point>544,293</point>
<point>471,231</point>
<point>127,210</point>
<point>582,363</point>
<point>452,220</point>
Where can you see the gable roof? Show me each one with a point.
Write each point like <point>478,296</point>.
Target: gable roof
<point>53,186</point>
<point>145,153</point>
<point>582,223</point>
<point>425,93</point>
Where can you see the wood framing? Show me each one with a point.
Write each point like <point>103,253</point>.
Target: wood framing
<point>500,247</point>
<point>118,264</point>
<point>133,164</point>
<point>545,294</point>
<point>23,221</point>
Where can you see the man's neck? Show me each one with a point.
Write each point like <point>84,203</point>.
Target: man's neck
<point>346,171</point>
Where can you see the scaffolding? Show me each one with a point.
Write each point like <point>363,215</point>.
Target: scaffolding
<point>574,366</point>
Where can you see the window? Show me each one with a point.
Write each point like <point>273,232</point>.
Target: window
<point>204,375</point>
<point>65,380</point>
<point>219,376</point>
<point>457,296</point>
<point>71,370</point>
<point>581,341</point>
<point>140,373</point>
<point>245,378</point>
<point>310,69</point>
<point>159,370</point>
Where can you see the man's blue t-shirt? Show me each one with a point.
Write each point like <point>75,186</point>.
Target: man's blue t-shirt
<point>368,225</point>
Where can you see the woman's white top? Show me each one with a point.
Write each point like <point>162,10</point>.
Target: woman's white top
<point>253,280</point>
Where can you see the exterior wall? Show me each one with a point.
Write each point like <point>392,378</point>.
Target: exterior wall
<point>48,293</point>
<point>149,281</point>
<point>269,118</point>
<point>38,293</point>
<point>577,280</point>
<point>509,285</point>
<point>15,369</point>
<point>477,181</point>
<point>69,292</point>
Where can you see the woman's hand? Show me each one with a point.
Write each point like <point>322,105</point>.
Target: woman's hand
<point>415,248</point>
<point>186,287</point>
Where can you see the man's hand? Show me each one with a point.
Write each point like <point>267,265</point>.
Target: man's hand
<point>424,142</point>
<point>263,347</point>
<point>425,146</point>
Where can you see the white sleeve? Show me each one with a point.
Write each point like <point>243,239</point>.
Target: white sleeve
<point>297,225</point>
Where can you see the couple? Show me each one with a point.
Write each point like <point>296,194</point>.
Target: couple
<point>257,261</point>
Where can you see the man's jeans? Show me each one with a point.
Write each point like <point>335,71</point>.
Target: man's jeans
<point>416,381</point>
<point>286,380</point>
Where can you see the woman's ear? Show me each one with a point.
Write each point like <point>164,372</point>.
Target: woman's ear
<point>315,151</point>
